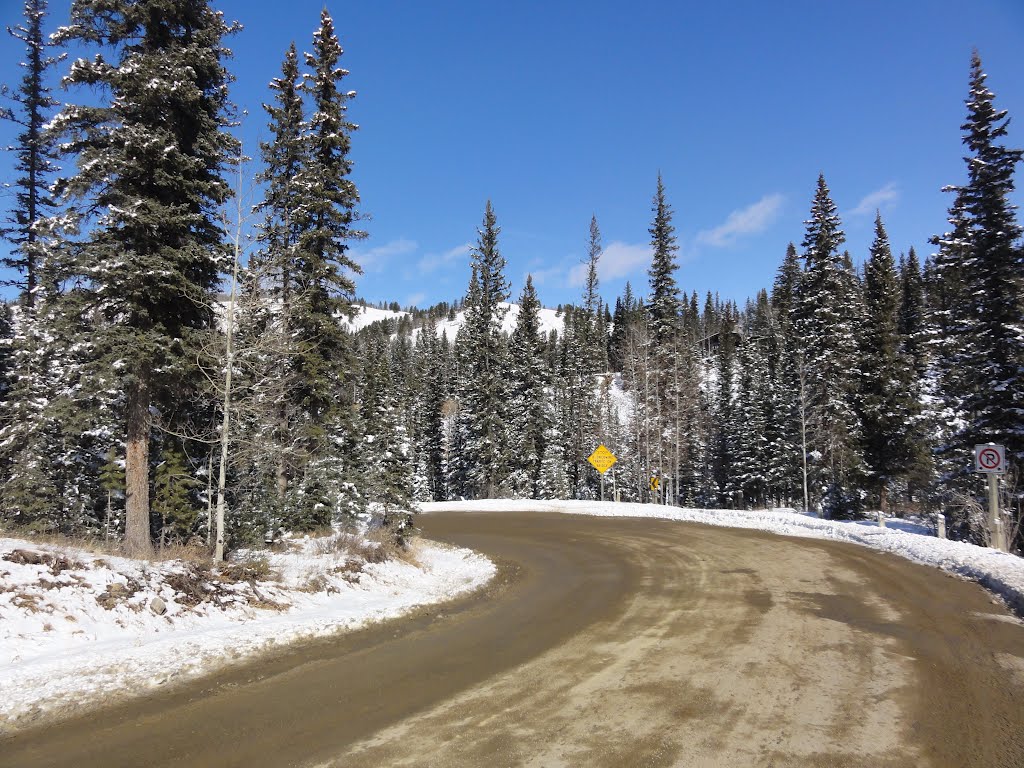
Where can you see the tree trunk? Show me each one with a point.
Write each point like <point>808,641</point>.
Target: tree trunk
<point>136,527</point>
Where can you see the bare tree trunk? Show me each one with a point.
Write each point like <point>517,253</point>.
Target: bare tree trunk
<point>137,535</point>
<point>803,428</point>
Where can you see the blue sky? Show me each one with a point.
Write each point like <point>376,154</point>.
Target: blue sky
<point>557,111</point>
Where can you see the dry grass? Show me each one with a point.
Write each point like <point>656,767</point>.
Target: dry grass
<point>56,562</point>
<point>252,569</point>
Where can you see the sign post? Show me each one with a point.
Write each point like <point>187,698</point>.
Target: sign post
<point>602,460</point>
<point>990,459</point>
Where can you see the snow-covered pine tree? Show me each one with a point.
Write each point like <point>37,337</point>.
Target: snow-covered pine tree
<point>483,366</point>
<point>889,399</point>
<point>385,450</point>
<point>322,290</point>
<point>663,305</point>
<point>750,476</point>
<point>976,299</point>
<point>829,354</point>
<point>592,343</point>
<point>149,178</point>
<point>724,438</point>
<point>912,312</point>
<point>528,376</point>
<point>36,152</point>
<point>430,368</point>
<point>994,273</point>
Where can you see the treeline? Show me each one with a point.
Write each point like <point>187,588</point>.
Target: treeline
<point>842,389</point>
<point>136,398</point>
<point>153,381</point>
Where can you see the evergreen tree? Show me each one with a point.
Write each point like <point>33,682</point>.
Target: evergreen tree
<point>828,355</point>
<point>36,152</point>
<point>994,274</point>
<point>149,174</point>
<point>664,300</point>
<point>483,364</point>
<point>912,313</point>
<point>724,448</point>
<point>527,399</point>
<point>173,504</point>
<point>321,268</point>
<point>976,298</point>
<point>888,402</point>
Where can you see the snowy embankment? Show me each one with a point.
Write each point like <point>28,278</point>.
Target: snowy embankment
<point>77,627</point>
<point>999,572</point>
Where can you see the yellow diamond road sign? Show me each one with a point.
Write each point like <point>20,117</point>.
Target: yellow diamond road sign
<point>602,459</point>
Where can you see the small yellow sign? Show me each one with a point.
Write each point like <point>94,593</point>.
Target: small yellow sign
<point>602,459</point>
<point>655,483</point>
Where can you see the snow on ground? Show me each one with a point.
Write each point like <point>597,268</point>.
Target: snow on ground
<point>550,320</point>
<point>999,572</point>
<point>364,316</point>
<point>77,626</point>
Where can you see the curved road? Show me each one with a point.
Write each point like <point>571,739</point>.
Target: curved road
<point>611,642</point>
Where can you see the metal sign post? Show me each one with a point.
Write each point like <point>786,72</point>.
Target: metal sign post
<point>990,459</point>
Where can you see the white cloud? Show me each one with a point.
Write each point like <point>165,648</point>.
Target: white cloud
<point>374,259</point>
<point>434,261</point>
<point>618,259</point>
<point>554,274</point>
<point>876,200</point>
<point>745,221</point>
<point>415,299</point>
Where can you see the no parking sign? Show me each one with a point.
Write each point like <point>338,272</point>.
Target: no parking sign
<point>990,458</point>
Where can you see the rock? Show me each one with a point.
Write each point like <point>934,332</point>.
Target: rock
<point>158,606</point>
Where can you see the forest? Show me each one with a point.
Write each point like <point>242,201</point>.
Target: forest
<point>169,374</point>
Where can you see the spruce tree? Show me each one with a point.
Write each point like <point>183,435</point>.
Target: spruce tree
<point>36,151</point>
<point>321,269</point>
<point>664,300</point>
<point>150,157</point>
<point>828,354</point>
<point>994,272</point>
<point>888,401</point>
<point>527,399</point>
<point>912,312</point>
<point>483,366</point>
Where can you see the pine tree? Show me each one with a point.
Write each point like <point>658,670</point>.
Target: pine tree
<point>888,402</point>
<point>173,503</point>
<point>724,448</point>
<point>994,272</point>
<point>785,290</point>
<point>664,300</point>
<point>527,399</point>
<point>976,300</point>
<point>912,313</point>
<point>150,160</point>
<point>36,151</point>
<point>828,355</point>
<point>385,453</point>
<point>323,289</point>
<point>483,363</point>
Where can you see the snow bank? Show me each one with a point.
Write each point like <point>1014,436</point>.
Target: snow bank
<point>76,626</point>
<point>998,572</point>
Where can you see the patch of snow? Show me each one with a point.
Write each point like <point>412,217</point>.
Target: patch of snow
<point>364,316</point>
<point>78,626</point>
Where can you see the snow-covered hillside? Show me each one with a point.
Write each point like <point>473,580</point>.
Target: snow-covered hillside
<point>364,316</point>
<point>77,626</point>
<point>550,319</point>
